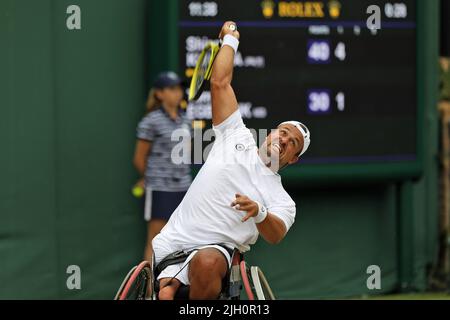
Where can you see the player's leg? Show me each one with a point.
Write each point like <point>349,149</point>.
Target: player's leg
<point>168,288</point>
<point>206,271</point>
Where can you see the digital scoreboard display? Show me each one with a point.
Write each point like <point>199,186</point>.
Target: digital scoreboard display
<point>317,62</point>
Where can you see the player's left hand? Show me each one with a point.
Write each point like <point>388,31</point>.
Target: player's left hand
<point>244,203</point>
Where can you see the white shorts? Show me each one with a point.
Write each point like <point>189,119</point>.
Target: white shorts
<point>181,270</point>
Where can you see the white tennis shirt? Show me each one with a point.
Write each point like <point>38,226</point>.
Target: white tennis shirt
<point>205,215</point>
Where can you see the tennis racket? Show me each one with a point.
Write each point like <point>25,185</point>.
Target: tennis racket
<point>203,68</point>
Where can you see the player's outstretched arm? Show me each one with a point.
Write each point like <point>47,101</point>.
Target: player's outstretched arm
<point>223,99</point>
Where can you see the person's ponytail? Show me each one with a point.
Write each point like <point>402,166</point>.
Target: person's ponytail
<point>152,101</point>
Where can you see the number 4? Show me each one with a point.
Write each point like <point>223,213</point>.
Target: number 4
<point>340,52</point>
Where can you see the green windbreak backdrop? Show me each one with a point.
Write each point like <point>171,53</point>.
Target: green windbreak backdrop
<point>69,106</point>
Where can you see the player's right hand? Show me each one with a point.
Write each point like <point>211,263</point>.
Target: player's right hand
<point>226,30</point>
<point>244,203</point>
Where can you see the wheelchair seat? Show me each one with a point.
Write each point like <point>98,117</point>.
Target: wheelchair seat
<point>183,291</point>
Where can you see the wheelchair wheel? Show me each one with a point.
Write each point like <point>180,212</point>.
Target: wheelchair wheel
<point>245,275</point>
<point>125,280</point>
<point>261,285</point>
<point>138,285</point>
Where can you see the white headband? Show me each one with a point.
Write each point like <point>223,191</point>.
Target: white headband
<point>305,133</point>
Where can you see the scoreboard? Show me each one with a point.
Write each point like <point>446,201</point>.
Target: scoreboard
<point>320,62</point>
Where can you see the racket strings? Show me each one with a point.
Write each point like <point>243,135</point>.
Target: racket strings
<point>202,71</point>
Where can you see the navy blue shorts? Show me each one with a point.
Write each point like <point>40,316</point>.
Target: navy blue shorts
<point>161,204</point>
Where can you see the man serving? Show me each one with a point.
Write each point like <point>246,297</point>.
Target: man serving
<point>236,196</point>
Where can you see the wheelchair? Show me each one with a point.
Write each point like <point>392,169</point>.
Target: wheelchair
<point>140,283</point>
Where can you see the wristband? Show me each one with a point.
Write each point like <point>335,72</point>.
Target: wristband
<point>231,41</point>
<point>262,213</point>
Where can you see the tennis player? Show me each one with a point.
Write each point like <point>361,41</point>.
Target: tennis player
<point>229,203</point>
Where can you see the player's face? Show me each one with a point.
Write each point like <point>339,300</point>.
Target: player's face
<point>282,146</point>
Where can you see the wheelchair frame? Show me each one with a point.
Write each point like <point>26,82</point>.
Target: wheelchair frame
<point>139,283</point>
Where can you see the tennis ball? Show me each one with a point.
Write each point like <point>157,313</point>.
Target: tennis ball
<point>138,191</point>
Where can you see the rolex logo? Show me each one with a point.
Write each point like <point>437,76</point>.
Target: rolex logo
<point>267,8</point>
